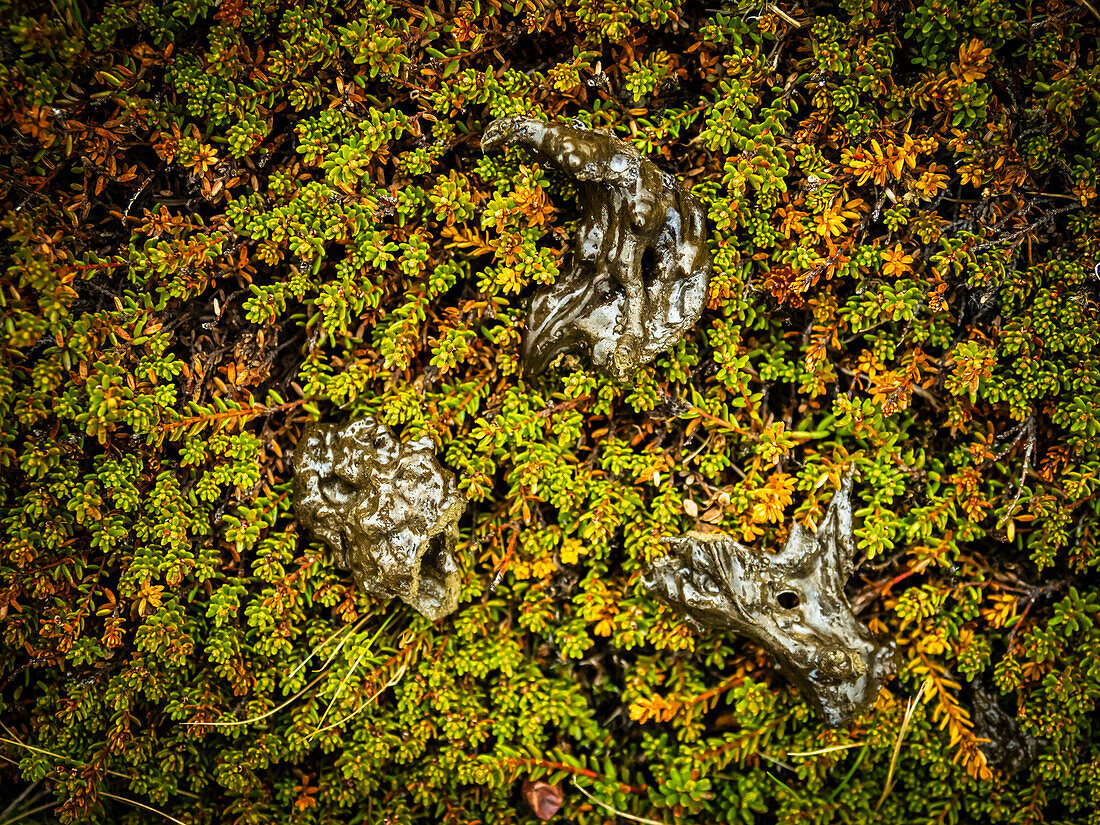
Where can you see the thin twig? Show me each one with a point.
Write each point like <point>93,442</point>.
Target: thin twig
<point>504,561</point>
<point>254,411</point>
<point>774,9</point>
<point>1018,237</point>
<point>1030,429</point>
<point>137,194</point>
<point>1029,601</point>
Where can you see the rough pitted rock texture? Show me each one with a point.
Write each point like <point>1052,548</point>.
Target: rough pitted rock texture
<point>388,510</point>
<point>640,265</point>
<point>792,603</point>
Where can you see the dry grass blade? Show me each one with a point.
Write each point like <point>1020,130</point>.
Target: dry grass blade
<point>262,716</point>
<point>348,633</point>
<point>137,804</point>
<point>25,814</point>
<point>351,670</point>
<point>22,799</point>
<point>832,749</point>
<point>775,761</point>
<point>14,740</point>
<point>303,691</point>
<point>1090,7</point>
<point>396,678</point>
<point>339,690</point>
<point>910,707</point>
<point>615,811</point>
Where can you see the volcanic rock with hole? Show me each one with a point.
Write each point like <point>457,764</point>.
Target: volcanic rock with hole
<point>791,602</point>
<point>640,267</point>
<point>388,510</point>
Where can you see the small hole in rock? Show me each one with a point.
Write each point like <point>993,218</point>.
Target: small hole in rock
<point>787,600</point>
<point>432,576</point>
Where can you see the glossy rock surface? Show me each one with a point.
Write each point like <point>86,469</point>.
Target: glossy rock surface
<point>791,602</point>
<point>388,510</point>
<point>1006,746</point>
<point>640,266</point>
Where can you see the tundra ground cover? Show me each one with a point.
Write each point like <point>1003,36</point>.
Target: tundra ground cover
<point>223,220</point>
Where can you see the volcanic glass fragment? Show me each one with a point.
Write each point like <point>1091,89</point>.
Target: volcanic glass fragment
<point>640,266</point>
<point>388,510</point>
<point>791,602</point>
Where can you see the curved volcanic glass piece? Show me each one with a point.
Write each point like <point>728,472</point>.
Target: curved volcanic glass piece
<point>640,266</point>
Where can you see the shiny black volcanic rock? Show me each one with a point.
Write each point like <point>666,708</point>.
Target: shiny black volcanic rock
<point>640,266</point>
<point>791,602</point>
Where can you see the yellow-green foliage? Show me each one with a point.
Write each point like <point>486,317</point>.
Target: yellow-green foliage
<point>222,219</point>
